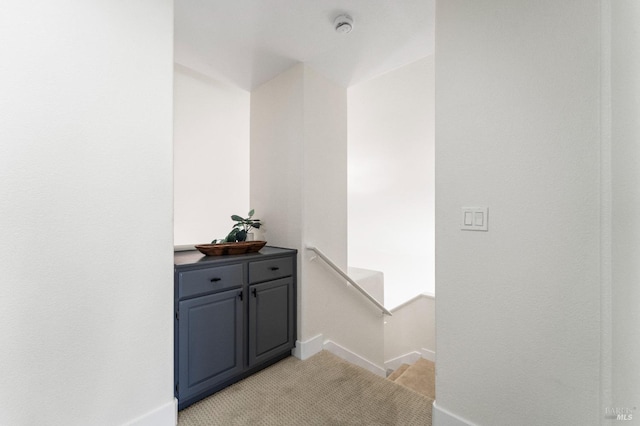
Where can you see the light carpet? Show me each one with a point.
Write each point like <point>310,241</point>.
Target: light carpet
<point>398,372</point>
<point>419,377</point>
<point>323,390</point>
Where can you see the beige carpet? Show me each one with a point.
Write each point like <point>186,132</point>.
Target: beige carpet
<point>393,376</point>
<point>419,377</point>
<point>323,390</point>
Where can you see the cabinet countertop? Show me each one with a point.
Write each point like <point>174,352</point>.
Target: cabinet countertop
<point>183,259</point>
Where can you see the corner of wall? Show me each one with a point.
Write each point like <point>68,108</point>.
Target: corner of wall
<point>308,348</point>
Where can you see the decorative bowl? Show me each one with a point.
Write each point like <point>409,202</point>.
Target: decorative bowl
<point>221,249</point>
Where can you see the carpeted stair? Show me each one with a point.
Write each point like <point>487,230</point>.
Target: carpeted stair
<point>419,377</point>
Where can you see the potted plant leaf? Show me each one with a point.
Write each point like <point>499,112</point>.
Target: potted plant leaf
<point>241,229</point>
<point>235,242</point>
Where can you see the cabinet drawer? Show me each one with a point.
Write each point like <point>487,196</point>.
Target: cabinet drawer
<point>266,270</point>
<point>193,283</point>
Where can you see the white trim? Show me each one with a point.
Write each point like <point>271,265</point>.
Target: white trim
<point>428,354</point>
<point>413,299</point>
<point>410,358</point>
<point>308,348</point>
<point>165,415</point>
<point>184,247</point>
<point>443,417</point>
<point>175,400</point>
<point>353,358</point>
<point>395,363</point>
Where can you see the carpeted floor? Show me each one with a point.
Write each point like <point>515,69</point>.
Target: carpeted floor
<point>323,390</point>
<point>419,377</point>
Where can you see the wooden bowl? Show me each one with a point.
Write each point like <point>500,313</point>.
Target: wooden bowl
<point>240,247</point>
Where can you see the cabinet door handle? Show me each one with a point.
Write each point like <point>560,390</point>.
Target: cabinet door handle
<point>254,292</point>
<point>215,280</point>
<point>274,268</point>
<point>240,296</point>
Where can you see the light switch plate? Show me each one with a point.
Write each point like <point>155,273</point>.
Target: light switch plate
<point>475,219</point>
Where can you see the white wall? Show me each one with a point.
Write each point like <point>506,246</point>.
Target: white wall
<point>370,280</point>
<point>391,179</point>
<point>411,328</point>
<point>517,129</point>
<point>85,217</point>
<point>211,156</point>
<point>328,302</point>
<point>625,155</point>
<point>277,129</point>
<point>298,182</point>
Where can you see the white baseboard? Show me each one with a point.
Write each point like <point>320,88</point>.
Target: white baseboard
<point>308,348</point>
<point>395,363</point>
<point>442,417</point>
<point>165,415</point>
<point>410,358</point>
<point>428,354</point>
<point>353,358</point>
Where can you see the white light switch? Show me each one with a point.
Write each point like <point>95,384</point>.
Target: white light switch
<point>479,219</point>
<point>468,219</point>
<point>475,219</point>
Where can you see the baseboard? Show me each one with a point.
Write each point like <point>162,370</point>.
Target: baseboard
<point>175,400</point>
<point>442,417</point>
<point>308,348</point>
<point>353,358</point>
<point>395,363</point>
<point>165,415</point>
<point>428,354</point>
<point>410,358</point>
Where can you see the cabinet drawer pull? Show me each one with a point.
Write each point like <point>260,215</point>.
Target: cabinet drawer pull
<point>215,280</point>
<point>274,268</point>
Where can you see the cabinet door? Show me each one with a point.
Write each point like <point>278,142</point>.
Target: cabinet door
<point>209,341</point>
<point>271,319</point>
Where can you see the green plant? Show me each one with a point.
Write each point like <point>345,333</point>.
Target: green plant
<point>241,228</point>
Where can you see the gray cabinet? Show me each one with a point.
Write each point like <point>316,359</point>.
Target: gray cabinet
<point>210,350</point>
<point>234,316</point>
<point>270,319</point>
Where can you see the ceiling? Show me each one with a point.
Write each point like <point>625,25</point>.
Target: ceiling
<point>248,42</point>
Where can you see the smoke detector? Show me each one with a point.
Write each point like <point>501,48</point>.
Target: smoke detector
<point>343,24</point>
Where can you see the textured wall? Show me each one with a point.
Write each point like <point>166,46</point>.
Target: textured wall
<point>625,155</point>
<point>517,130</point>
<point>85,212</point>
